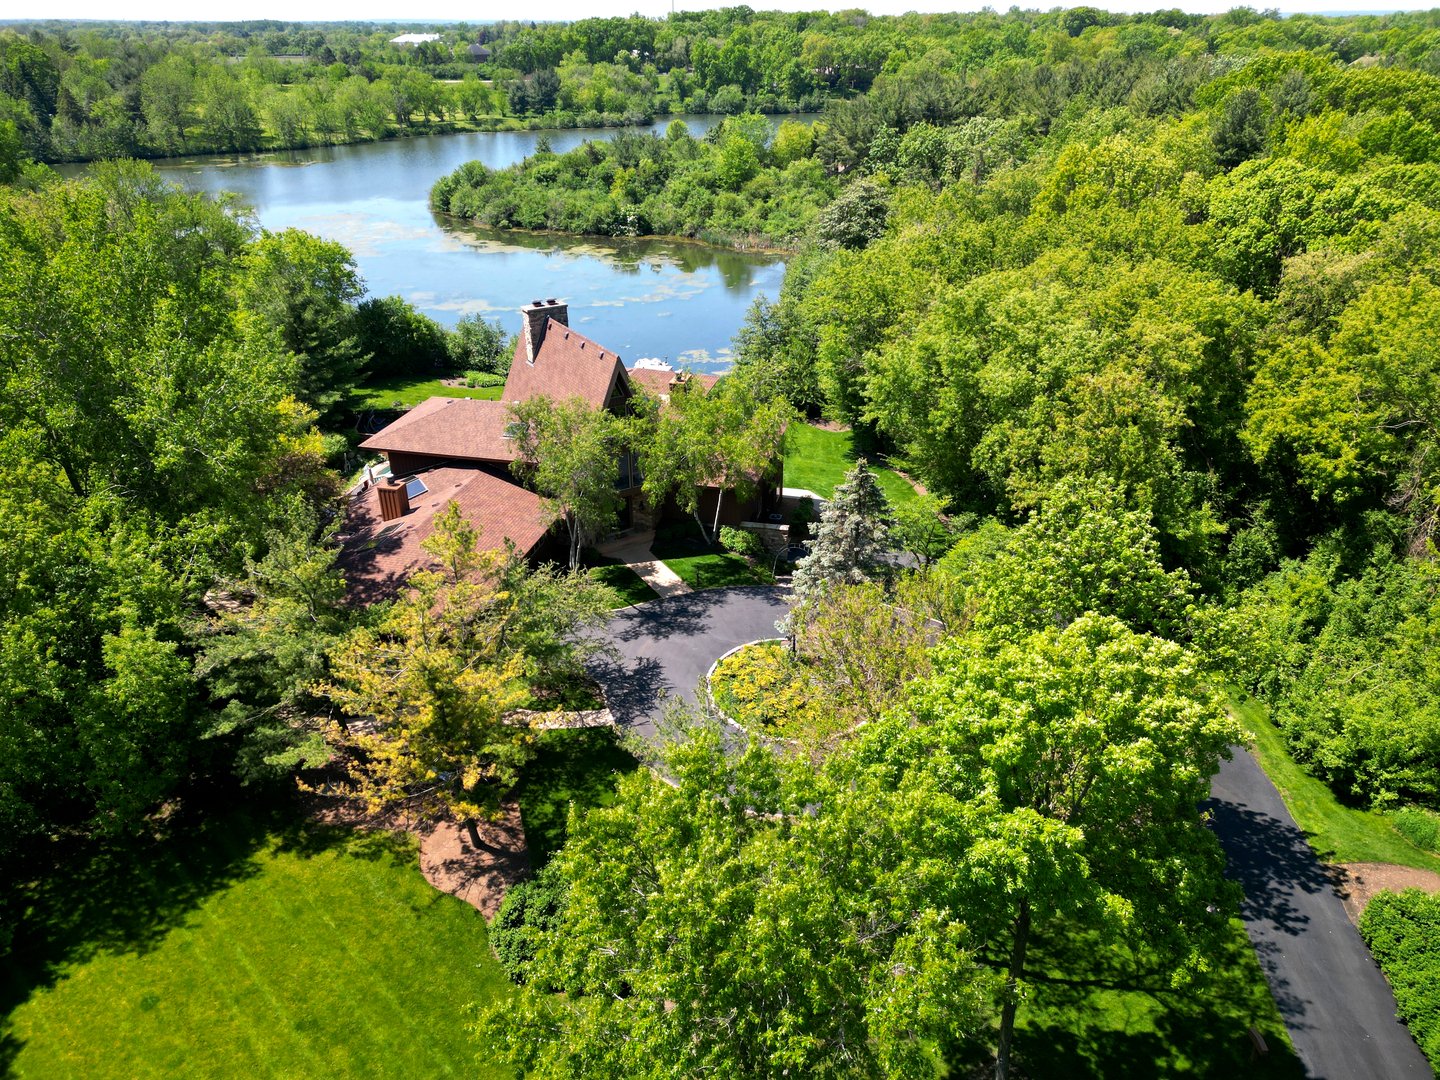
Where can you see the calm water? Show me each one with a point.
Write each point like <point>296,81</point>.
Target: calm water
<point>643,298</point>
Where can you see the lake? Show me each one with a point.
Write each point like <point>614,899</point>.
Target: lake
<point>642,298</point>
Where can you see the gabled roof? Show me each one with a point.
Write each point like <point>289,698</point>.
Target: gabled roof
<point>380,555</point>
<point>446,427</point>
<point>567,365</point>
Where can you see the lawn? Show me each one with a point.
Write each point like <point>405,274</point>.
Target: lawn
<point>703,567</point>
<point>1092,1012</point>
<point>817,460</point>
<point>412,390</point>
<point>629,586</point>
<point>577,765</point>
<point>244,944</point>
<point>1338,833</point>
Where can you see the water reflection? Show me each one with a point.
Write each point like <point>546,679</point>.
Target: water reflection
<point>643,298</point>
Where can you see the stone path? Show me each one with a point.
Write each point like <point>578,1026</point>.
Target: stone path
<point>657,575</point>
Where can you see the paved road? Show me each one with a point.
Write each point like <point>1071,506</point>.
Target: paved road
<point>1338,1007</point>
<point>1336,1004</point>
<point>666,646</point>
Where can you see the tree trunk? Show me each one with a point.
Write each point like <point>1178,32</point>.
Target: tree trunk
<point>700,521</point>
<point>1012,989</point>
<point>715,530</point>
<point>474,834</point>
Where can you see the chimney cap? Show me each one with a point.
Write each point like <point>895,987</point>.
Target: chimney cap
<point>551,300</point>
<point>536,303</point>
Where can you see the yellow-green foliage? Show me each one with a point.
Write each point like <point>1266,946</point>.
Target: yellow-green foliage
<point>761,687</point>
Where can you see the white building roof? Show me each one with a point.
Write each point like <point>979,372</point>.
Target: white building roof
<point>413,39</point>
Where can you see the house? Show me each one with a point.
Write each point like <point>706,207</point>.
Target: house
<point>459,448</point>
<point>479,53</point>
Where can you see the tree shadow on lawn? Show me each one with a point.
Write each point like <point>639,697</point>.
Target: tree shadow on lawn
<point>82,897</point>
<point>578,766</point>
<point>1096,1011</point>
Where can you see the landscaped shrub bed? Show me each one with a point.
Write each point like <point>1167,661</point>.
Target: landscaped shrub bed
<point>763,687</point>
<point>1403,932</point>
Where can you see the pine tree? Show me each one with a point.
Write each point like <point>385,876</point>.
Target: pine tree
<point>852,538</point>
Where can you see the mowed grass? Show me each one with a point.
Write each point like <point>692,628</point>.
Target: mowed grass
<point>1337,832</point>
<point>246,948</point>
<point>1092,1011</point>
<point>704,567</point>
<point>630,587</point>
<point>818,460</point>
<point>411,390</point>
<point>578,766</point>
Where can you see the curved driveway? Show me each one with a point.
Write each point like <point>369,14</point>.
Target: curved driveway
<point>665,647</point>
<point>1337,1006</point>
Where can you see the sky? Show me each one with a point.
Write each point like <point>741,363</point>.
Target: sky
<point>489,11</point>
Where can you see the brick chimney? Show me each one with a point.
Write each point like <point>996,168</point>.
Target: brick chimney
<point>538,314</point>
<point>394,499</point>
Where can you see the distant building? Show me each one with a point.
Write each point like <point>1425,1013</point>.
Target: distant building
<point>414,39</point>
<point>480,53</point>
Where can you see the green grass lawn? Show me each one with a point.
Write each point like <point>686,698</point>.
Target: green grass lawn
<point>1092,1012</point>
<point>629,586</point>
<point>412,390</point>
<point>244,945</point>
<point>1338,833</point>
<point>704,567</point>
<point>817,460</point>
<point>578,766</point>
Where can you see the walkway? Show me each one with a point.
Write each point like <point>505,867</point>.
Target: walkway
<point>665,647</point>
<point>1335,1002</point>
<point>657,575</point>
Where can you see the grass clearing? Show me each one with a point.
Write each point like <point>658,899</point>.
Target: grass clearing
<point>411,390</point>
<point>245,944</point>
<point>577,766</point>
<point>704,567</point>
<point>629,586</point>
<point>1092,1012</point>
<point>1338,833</point>
<point>818,460</point>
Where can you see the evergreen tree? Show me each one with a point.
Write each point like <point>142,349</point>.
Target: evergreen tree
<point>852,539</point>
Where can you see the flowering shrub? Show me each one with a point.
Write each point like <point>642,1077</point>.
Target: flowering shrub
<point>762,687</point>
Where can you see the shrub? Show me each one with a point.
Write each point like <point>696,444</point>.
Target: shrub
<point>1403,932</point>
<point>531,909</point>
<point>801,518</point>
<point>483,378</point>
<point>741,542</point>
<point>763,686</point>
<point>1420,827</point>
<point>399,339</point>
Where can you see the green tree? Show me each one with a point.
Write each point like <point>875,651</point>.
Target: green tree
<point>479,345</point>
<point>1082,754</point>
<point>398,339</point>
<point>922,529</point>
<point>304,289</point>
<point>569,451</point>
<point>853,538</point>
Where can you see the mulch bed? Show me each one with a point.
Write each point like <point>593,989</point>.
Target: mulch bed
<point>1357,883</point>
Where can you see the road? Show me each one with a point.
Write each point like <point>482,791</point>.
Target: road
<point>1335,1002</point>
<point>1337,1006</point>
<point>665,647</point>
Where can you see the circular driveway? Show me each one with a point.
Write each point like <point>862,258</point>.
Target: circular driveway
<point>664,648</point>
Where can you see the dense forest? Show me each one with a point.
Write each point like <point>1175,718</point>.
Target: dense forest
<point>1145,304</point>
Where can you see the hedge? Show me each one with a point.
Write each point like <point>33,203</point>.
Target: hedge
<point>1403,932</point>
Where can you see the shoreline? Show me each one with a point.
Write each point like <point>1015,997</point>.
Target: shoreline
<point>778,252</point>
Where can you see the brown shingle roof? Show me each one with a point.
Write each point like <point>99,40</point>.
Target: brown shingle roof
<point>380,555</point>
<point>449,427</point>
<point>567,365</point>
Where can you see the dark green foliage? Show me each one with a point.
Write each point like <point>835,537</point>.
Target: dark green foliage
<point>576,768</point>
<point>1403,932</point>
<point>636,185</point>
<point>741,542</point>
<point>855,218</point>
<point>478,345</point>
<point>1240,133</point>
<point>398,339</point>
<point>531,910</point>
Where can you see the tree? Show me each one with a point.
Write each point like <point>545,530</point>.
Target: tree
<point>719,921</point>
<point>852,539</point>
<point>304,288</point>
<point>265,658</point>
<point>857,217</point>
<point>727,439</point>
<point>1082,754</point>
<point>479,345</point>
<point>429,690</point>
<point>922,529</point>
<point>398,339</point>
<point>569,452</point>
<point>1240,132</point>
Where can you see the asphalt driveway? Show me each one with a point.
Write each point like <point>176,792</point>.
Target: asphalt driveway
<point>1335,1002</point>
<point>665,647</point>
